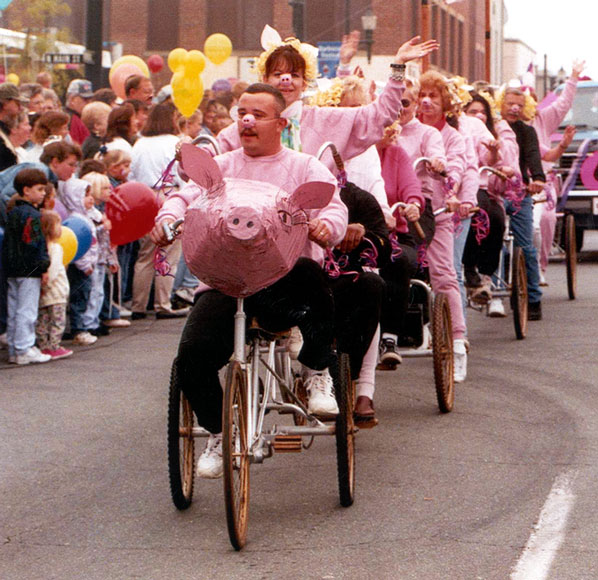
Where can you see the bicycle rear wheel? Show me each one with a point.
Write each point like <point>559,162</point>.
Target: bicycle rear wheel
<point>235,454</point>
<point>442,353</point>
<point>345,430</point>
<point>181,444</point>
<point>519,296</point>
<point>571,256</point>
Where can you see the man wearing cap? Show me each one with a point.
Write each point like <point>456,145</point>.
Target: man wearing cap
<point>10,107</point>
<point>77,96</point>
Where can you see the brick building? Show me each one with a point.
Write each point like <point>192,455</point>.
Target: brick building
<point>145,27</point>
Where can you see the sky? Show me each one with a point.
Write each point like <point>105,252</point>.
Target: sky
<point>565,31</point>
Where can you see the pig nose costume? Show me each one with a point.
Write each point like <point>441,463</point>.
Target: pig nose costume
<point>299,298</point>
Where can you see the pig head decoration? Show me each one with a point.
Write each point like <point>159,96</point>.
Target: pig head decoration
<point>241,236</point>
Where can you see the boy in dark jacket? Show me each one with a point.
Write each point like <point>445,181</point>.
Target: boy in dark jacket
<point>25,260</point>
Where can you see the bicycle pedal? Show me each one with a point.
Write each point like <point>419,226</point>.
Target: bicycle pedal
<point>287,443</point>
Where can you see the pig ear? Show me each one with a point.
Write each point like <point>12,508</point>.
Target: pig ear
<point>313,195</point>
<point>198,164</point>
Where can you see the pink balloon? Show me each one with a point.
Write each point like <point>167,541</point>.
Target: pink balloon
<point>120,75</point>
<point>588,171</point>
<point>155,63</point>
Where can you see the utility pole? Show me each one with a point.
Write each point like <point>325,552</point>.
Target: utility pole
<point>298,7</point>
<point>93,41</point>
<point>425,30</point>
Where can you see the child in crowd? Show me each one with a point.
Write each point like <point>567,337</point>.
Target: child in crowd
<point>118,166</point>
<point>77,198</point>
<point>25,258</point>
<point>107,264</point>
<point>51,320</point>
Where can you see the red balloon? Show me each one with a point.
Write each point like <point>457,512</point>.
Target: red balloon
<point>132,208</point>
<point>155,63</point>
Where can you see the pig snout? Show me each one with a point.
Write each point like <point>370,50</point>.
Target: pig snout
<point>286,81</point>
<point>244,223</point>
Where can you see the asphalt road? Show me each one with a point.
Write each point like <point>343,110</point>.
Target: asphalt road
<point>84,486</point>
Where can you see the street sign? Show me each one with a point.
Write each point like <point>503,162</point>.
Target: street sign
<point>328,58</point>
<point>59,58</point>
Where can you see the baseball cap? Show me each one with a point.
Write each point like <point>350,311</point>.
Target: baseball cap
<point>81,87</point>
<point>9,92</point>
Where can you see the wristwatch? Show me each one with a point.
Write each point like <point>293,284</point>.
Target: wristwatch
<point>397,71</point>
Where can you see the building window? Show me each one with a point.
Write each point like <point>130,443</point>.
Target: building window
<point>241,21</point>
<point>162,24</point>
<point>435,27</point>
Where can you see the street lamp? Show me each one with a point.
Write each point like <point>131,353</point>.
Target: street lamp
<point>368,23</point>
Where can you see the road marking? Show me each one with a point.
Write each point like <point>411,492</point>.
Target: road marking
<point>549,532</point>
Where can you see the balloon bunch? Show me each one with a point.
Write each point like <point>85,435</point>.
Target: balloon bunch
<point>122,69</point>
<point>187,66</point>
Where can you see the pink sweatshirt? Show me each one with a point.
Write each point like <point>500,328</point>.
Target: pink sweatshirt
<point>509,153</point>
<point>548,120</point>
<point>400,180</point>
<point>351,129</point>
<point>474,129</point>
<point>420,140</point>
<point>288,170</point>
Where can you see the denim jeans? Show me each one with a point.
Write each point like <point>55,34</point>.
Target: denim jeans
<point>91,316</point>
<point>23,307</point>
<point>3,300</point>
<point>80,289</point>
<point>112,287</point>
<point>522,225</point>
<point>183,277</point>
<point>459,247</point>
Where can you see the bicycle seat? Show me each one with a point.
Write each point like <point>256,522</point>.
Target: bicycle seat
<point>255,330</point>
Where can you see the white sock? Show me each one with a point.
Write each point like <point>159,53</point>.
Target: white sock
<point>391,336</point>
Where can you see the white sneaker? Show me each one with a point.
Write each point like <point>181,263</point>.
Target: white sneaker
<point>496,308</point>
<point>3,341</point>
<point>295,343</point>
<point>124,312</point>
<point>321,394</point>
<point>459,360</point>
<point>33,355</point>
<point>209,464</point>
<point>84,339</point>
<point>543,279</point>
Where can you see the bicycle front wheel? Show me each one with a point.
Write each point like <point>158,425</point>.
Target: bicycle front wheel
<point>442,353</point>
<point>345,430</point>
<point>181,444</point>
<point>571,256</point>
<point>519,296</point>
<point>235,455</point>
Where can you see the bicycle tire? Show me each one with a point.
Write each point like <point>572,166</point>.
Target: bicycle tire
<point>442,353</point>
<point>519,295</point>
<point>571,256</point>
<point>345,430</point>
<point>181,444</point>
<point>235,455</point>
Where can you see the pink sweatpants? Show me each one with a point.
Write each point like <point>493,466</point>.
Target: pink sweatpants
<point>547,227</point>
<point>442,271</point>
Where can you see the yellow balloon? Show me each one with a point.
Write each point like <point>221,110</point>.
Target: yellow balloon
<point>129,59</point>
<point>187,92</point>
<point>196,62</point>
<point>13,78</point>
<point>177,59</point>
<point>69,243</point>
<point>218,47</point>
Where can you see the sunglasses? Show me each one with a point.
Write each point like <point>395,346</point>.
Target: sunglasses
<point>405,103</point>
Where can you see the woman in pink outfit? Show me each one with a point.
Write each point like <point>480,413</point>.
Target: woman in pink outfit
<point>435,109</point>
<point>546,121</point>
<point>291,66</point>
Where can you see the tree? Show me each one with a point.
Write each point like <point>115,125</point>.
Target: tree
<point>38,19</point>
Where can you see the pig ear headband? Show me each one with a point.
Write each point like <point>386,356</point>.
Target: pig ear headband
<point>271,40</point>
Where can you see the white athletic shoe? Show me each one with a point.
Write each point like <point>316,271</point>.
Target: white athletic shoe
<point>321,394</point>
<point>459,360</point>
<point>209,464</point>
<point>84,339</point>
<point>33,355</point>
<point>496,308</point>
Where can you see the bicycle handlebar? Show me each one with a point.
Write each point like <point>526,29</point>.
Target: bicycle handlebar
<point>428,161</point>
<point>207,139</point>
<point>416,226</point>
<point>171,230</point>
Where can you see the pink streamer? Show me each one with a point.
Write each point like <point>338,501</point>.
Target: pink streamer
<point>422,256</point>
<point>341,178</point>
<point>166,183</point>
<point>335,268</point>
<point>161,265</point>
<point>457,224</point>
<point>396,250</point>
<point>447,186</point>
<point>481,224</point>
<point>515,192</point>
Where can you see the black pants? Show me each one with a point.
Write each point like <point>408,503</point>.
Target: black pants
<point>486,254</point>
<point>301,298</point>
<point>357,306</point>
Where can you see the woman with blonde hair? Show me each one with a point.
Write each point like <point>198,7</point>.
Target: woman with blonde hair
<point>95,117</point>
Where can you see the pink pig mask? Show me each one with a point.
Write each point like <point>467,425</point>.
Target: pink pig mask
<point>241,236</point>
